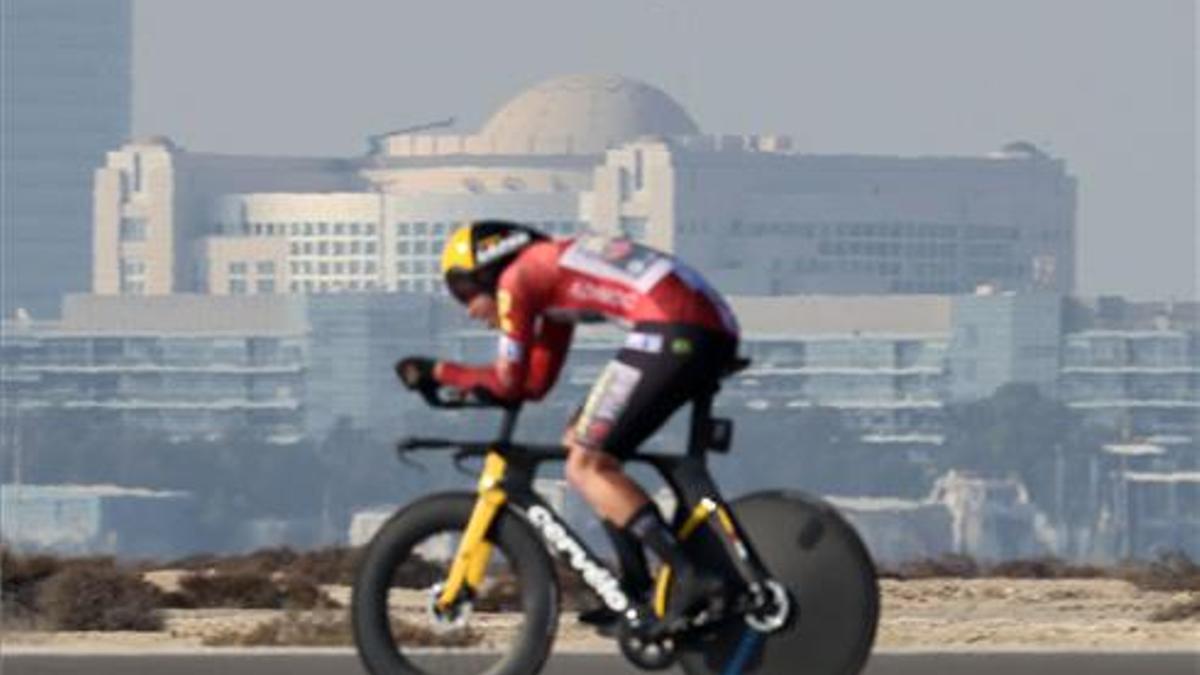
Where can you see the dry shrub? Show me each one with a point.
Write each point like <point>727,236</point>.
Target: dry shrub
<point>576,594</point>
<point>950,565</point>
<point>417,572</point>
<point>1170,572</point>
<point>327,566</point>
<point>20,576</point>
<point>1043,568</point>
<point>303,592</point>
<point>301,630</point>
<point>237,590</point>
<point>263,562</point>
<point>1178,611</point>
<point>248,591</point>
<point>99,598</point>
<point>501,595</point>
<point>334,565</point>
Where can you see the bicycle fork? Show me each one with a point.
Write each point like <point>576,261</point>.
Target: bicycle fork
<point>474,550</point>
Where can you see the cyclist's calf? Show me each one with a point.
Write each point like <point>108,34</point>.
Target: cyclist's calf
<point>602,481</point>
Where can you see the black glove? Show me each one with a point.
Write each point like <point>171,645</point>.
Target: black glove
<point>416,372</point>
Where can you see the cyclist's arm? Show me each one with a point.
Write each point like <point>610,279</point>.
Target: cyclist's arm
<point>546,357</point>
<point>508,377</point>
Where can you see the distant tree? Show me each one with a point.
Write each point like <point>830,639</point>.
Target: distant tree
<point>1020,432</point>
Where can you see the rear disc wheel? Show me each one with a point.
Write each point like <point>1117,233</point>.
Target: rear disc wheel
<point>829,578</point>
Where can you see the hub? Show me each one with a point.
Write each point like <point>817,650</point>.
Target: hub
<point>775,608</point>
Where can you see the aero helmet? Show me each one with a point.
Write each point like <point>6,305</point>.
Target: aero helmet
<point>476,254</point>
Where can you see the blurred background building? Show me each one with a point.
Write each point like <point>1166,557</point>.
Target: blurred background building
<point>241,296</point>
<point>66,99</point>
<point>608,154</point>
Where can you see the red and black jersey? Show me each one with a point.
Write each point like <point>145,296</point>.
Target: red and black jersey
<point>554,284</point>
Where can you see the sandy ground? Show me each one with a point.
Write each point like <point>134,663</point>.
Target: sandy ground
<point>927,615</point>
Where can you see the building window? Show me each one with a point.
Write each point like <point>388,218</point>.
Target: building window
<point>236,268</point>
<point>402,248</point>
<point>339,268</point>
<point>370,229</point>
<point>322,228</point>
<point>339,248</point>
<point>369,267</point>
<point>402,229</point>
<point>308,229</point>
<point>420,229</point>
<point>402,267</point>
<point>295,248</point>
<point>133,229</point>
<point>354,266</point>
<point>237,286</point>
<point>265,286</point>
<point>369,248</point>
<point>266,267</point>
<point>355,247</point>
<point>133,277</point>
<point>339,228</point>
<point>323,248</point>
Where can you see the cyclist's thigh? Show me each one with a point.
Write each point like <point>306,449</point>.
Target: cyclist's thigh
<point>636,394</point>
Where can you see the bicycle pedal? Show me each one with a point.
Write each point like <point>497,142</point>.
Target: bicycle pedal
<point>601,619</point>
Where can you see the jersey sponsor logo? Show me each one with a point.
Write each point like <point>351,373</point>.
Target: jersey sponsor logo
<point>509,349</point>
<point>590,291</point>
<point>644,342</point>
<point>595,575</point>
<point>618,260</point>
<point>607,400</point>
<point>495,247</point>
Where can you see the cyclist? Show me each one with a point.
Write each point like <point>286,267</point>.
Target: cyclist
<point>534,289</point>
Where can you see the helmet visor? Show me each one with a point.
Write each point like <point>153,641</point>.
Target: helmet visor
<point>462,286</point>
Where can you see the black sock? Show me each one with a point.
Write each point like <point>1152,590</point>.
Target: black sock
<point>647,525</point>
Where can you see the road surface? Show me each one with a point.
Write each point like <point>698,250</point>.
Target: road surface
<point>325,662</point>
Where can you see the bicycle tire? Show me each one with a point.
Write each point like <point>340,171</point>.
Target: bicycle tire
<point>394,543</point>
<point>810,548</point>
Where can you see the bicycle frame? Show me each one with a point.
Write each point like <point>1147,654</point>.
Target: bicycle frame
<point>506,481</point>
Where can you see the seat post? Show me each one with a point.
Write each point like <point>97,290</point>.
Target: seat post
<point>701,419</point>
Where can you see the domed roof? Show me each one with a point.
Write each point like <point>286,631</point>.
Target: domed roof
<point>587,113</point>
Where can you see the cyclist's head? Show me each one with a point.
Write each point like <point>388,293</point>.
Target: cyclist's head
<point>476,254</point>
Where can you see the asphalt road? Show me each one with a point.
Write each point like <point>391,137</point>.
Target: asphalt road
<point>324,662</point>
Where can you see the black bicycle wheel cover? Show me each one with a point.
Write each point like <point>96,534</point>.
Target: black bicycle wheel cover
<point>808,546</point>
<point>392,544</point>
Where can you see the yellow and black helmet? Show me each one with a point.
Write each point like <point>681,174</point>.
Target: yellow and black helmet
<point>476,254</point>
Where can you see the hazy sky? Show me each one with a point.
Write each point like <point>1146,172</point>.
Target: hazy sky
<point>1109,85</point>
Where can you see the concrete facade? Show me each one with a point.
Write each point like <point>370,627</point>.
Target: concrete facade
<point>754,213</point>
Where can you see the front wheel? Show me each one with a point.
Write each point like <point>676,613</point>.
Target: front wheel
<point>826,571</point>
<point>504,627</point>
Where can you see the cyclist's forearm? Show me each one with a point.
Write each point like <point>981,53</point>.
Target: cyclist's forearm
<point>489,377</point>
